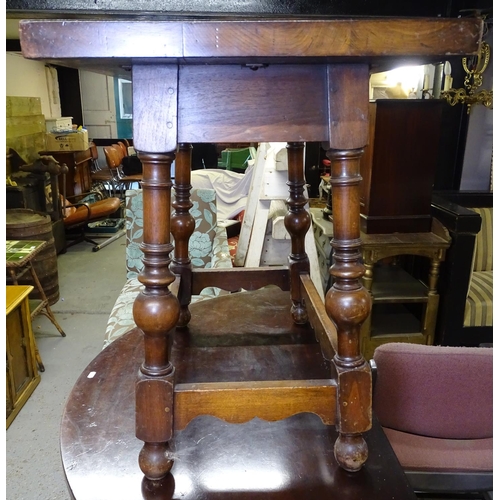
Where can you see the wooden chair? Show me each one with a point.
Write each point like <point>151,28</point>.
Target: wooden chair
<point>101,175</point>
<point>435,404</point>
<point>123,148</point>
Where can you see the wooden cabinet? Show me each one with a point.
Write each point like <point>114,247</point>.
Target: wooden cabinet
<point>78,178</point>
<point>22,373</point>
<point>399,165</point>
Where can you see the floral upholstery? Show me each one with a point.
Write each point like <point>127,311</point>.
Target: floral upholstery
<point>208,248</point>
<point>204,212</point>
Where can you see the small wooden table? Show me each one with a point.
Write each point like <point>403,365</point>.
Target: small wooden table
<point>22,374</point>
<point>248,79</point>
<point>19,260</point>
<point>391,284</point>
<point>287,459</point>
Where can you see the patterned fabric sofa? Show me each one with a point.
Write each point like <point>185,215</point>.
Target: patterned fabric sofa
<point>208,248</point>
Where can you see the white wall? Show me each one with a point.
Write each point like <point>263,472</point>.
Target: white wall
<point>27,78</point>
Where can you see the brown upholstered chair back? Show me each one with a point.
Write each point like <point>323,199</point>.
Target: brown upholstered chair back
<point>435,391</point>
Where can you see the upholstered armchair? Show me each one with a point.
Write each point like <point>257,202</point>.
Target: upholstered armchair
<point>465,316</point>
<point>435,404</point>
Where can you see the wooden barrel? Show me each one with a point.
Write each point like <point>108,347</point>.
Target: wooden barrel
<point>26,224</point>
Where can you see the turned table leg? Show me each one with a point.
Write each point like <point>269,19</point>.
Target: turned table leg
<point>156,312</point>
<point>182,228</point>
<point>297,223</point>
<point>348,303</point>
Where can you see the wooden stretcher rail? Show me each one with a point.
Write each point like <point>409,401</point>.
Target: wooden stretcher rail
<point>247,278</point>
<point>325,330</point>
<point>238,402</point>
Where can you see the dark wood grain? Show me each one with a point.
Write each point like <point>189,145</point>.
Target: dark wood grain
<point>288,103</point>
<point>245,39</point>
<point>155,107</point>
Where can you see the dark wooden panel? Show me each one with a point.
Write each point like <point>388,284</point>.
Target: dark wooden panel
<point>399,165</point>
<point>215,103</point>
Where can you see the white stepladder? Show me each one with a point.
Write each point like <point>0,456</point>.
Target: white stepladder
<point>264,240</point>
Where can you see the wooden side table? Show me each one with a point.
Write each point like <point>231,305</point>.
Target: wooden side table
<point>395,292</point>
<point>19,260</point>
<point>391,287</point>
<point>22,373</point>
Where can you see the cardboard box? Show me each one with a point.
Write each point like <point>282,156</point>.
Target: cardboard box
<point>61,123</point>
<point>77,140</point>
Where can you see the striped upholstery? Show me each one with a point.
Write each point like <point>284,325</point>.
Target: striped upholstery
<point>483,260</point>
<point>479,305</point>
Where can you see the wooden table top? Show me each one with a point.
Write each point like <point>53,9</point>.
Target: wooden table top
<point>116,44</point>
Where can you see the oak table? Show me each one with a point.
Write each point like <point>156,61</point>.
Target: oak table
<point>249,80</point>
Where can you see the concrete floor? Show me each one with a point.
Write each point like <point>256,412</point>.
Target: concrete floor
<point>89,283</point>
